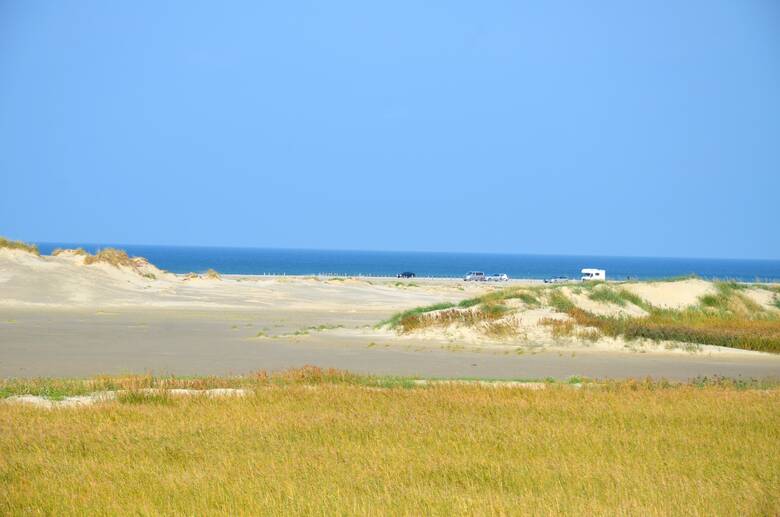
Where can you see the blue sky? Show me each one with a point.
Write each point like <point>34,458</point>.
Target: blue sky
<point>614,128</point>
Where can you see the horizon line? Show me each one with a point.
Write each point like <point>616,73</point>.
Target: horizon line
<point>118,244</point>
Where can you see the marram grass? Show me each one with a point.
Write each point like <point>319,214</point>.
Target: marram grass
<point>328,448</point>
<point>19,245</point>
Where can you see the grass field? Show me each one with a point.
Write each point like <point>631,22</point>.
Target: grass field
<point>323,443</point>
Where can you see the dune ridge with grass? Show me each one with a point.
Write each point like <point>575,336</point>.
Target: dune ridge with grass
<point>693,311</point>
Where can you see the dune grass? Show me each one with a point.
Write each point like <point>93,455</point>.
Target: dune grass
<point>480,309</point>
<point>449,316</point>
<point>607,295</point>
<point>304,444</point>
<point>74,251</point>
<point>726,319</point>
<point>617,296</point>
<point>112,256</point>
<point>396,319</point>
<point>19,245</point>
<point>212,274</point>
<point>56,389</point>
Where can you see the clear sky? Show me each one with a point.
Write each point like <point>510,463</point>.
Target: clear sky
<point>614,127</point>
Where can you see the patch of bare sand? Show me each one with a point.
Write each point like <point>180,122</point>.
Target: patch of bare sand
<point>672,295</point>
<point>763,297</point>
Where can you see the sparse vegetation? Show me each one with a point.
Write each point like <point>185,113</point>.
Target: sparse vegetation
<point>528,298</point>
<point>317,441</point>
<point>560,301</point>
<point>445,317</point>
<point>19,245</point>
<point>606,295</point>
<point>558,327</point>
<point>469,302</point>
<point>690,326</point>
<point>396,319</point>
<point>74,251</point>
<point>212,274</point>
<point>617,296</point>
<point>726,318</point>
<point>634,299</point>
<point>112,256</point>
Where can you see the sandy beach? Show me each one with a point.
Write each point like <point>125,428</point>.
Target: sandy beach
<point>61,317</point>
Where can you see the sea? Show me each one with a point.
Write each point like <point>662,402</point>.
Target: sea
<point>262,261</point>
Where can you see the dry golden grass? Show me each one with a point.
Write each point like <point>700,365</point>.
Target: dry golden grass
<point>112,256</point>
<point>485,315</point>
<point>19,245</point>
<point>323,446</point>
<point>559,328</point>
<point>212,274</point>
<point>76,251</point>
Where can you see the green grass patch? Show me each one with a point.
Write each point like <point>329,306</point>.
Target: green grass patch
<point>470,302</point>
<point>560,302</point>
<point>606,295</point>
<point>528,298</point>
<point>395,319</point>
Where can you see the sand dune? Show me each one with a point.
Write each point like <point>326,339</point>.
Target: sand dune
<point>61,315</point>
<point>672,295</point>
<point>65,281</point>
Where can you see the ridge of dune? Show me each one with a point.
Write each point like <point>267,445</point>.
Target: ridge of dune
<point>677,294</point>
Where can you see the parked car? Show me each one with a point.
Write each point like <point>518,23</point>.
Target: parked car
<point>474,276</point>
<point>498,277</point>
<point>405,274</point>
<point>556,280</point>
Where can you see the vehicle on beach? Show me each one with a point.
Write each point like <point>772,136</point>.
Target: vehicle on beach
<point>498,277</point>
<point>474,276</point>
<point>589,274</point>
<point>556,280</point>
<point>405,274</point>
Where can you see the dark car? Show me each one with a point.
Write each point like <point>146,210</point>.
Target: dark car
<point>405,274</point>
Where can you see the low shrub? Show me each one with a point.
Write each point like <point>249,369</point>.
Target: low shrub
<point>19,245</point>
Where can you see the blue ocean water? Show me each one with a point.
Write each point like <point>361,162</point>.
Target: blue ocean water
<point>258,261</point>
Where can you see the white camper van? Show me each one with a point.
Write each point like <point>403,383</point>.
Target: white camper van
<point>594,274</point>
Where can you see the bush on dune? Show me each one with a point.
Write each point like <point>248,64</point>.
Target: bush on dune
<point>112,256</point>
<point>76,251</point>
<point>19,245</point>
<point>212,274</point>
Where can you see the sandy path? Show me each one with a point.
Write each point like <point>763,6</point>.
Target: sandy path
<point>85,343</point>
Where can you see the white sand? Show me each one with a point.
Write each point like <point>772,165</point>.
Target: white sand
<point>99,303</point>
<point>64,281</point>
<point>672,295</point>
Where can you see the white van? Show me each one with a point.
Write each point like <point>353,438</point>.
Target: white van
<point>593,274</point>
